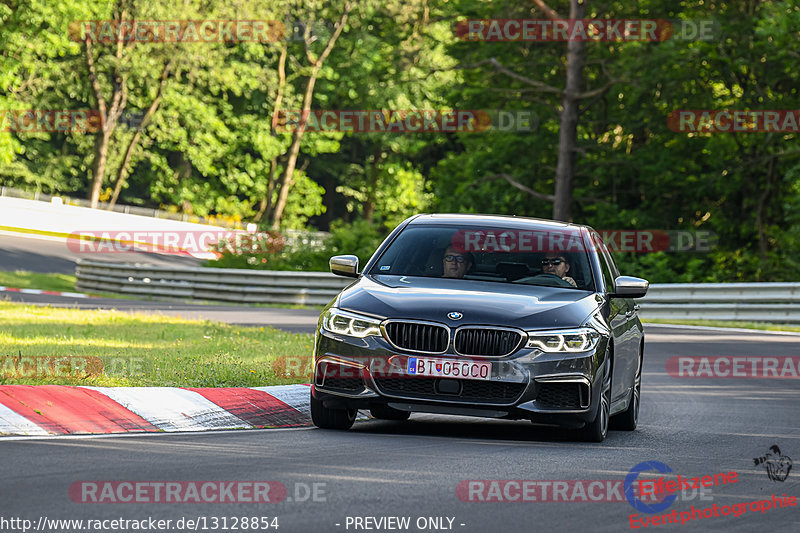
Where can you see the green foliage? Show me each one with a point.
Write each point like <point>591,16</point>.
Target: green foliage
<point>211,148</point>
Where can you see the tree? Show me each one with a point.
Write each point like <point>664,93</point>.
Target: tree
<point>315,62</point>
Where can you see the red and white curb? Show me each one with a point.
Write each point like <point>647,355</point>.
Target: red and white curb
<point>51,293</point>
<point>63,410</point>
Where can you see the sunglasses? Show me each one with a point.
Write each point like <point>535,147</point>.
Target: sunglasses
<point>457,258</point>
<point>555,262</point>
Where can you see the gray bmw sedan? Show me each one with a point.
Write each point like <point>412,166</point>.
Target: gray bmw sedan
<point>488,316</point>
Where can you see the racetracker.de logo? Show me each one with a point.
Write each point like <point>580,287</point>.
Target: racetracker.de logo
<point>405,121</point>
<point>50,120</point>
<point>734,121</point>
<point>600,30</point>
<point>177,31</point>
<point>207,244</point>
<point>787,367</point>
<point>566,240</point>
<point>35,366</point>
<point>558,490</point>
<point>177,492</point>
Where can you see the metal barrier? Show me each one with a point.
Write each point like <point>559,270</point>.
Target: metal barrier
<point>217,284</point>
<point>749,302</point>
<point>758,302</point>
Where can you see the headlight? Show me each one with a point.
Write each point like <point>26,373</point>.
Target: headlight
<point>346,323</point>
<point>564,340</point>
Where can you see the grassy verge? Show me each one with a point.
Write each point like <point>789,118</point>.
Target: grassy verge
<point>45,345</point>
<point>22,279</point>
<point>726,324</point>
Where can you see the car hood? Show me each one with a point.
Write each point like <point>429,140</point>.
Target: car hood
<point>480,302</point>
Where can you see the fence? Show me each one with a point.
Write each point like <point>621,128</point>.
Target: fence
<point>760,302</point>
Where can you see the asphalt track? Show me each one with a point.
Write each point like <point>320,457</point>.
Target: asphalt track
<point>51,255</point>
<point>412,469</point>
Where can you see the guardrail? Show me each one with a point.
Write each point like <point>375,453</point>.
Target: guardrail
<point>754,302</point>
<point>749,302</point>
<point>216,284</point>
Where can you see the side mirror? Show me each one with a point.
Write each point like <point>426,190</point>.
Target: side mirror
<point>344,265</point>
<point>630,287</point>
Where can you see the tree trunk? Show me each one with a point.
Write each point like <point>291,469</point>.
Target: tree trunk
<point>122,175</point>
<point>99,164</point>
<point>568,127</point>
<point>297,136</point>
<point>108,114</point>
<point>372,187</point>
<point>266,205</point>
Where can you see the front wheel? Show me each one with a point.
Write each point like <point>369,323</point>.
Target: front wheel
<point>597,429</point>
<point>327,418</point>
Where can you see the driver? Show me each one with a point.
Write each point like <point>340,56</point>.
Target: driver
<point>456,264</point>
<point>557,265</point>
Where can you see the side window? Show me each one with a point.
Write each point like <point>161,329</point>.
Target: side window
<point>607,266</point>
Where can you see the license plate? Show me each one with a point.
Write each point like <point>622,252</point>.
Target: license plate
<point>448,368</point>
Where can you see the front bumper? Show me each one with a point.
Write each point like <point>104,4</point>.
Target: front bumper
<point>548,388</point>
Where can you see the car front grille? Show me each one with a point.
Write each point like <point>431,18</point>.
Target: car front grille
<point>418,336</point>
<point>491,392</point>
<point>485,341</point>
<point>563,395</point>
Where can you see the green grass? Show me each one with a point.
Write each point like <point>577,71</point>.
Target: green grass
<point>46,345</point>
<point>726,324</point>
<point>22,279</point>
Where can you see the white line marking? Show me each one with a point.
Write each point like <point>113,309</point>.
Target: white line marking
<point>139,434</point>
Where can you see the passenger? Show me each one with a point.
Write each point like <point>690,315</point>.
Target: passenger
<point>456,264</point>
<point>558,266</point>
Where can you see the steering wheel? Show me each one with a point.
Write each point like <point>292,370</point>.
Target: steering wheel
<point>550,280</point>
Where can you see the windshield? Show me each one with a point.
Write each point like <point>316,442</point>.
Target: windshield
<point>554,258</point>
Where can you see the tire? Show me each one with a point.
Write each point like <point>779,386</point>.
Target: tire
<point>327,418</point>
<point>384,412</point>
<point>597,429</point>
<point>628,419</point>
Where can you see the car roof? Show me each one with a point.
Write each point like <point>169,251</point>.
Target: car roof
<point>507,221</point>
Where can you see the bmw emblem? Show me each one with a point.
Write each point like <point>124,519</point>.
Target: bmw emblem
<point>454,315</point>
